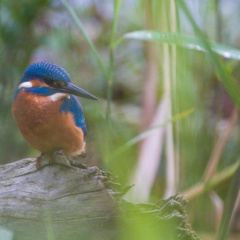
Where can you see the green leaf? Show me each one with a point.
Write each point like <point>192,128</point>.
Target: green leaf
<point>184,40</point>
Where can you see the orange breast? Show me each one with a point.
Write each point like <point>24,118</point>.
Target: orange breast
<point>42,125</point>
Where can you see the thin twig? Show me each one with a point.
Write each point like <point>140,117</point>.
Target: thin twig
<point>219,146</point>
<point>216,180</point>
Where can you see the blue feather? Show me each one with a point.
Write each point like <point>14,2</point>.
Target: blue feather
<point>16,93</point>
<point>73,105</point>
<point>44,91</point>
<point>42,70</point>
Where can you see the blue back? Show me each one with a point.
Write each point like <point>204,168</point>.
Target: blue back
<point>73,105</point>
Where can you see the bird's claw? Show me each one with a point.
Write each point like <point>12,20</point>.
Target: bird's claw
<point>38,161</point>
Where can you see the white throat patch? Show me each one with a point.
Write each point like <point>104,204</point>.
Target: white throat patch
<point>58,96</point>
<point>25,85</point>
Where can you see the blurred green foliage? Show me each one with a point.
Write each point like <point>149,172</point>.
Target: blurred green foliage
<point>17,44</point>
<point>43,30</point>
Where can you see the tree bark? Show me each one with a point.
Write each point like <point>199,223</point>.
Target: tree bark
<point>57,200</point>
<point>63,202</point>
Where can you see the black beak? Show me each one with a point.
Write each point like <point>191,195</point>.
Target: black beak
<point>72,89</point>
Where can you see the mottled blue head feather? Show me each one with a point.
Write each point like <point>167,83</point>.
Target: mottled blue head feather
<point>45,70</point>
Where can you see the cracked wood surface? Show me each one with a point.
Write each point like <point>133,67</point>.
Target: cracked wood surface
<point>72,202</point>
<point>55,202</point>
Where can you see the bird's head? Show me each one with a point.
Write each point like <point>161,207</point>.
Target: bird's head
<point>48,79</point>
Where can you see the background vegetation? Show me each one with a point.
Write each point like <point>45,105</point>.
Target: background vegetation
<point>167,119</point>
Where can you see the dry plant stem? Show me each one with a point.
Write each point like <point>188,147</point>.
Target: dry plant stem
<point>148,148</point>
<point>219,146</point>
<point>174,88</point>
<point>236,207</point>
<point>151,75</point>
<point>214,181</point>
<point>170,162</point>
<point>149,159</point>
<point>149,87</point>
<point>218,205</point>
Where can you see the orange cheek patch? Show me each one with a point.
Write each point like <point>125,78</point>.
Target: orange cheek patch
<point>38,83</point>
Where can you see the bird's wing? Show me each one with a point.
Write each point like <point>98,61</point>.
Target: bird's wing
<point>73,105</point>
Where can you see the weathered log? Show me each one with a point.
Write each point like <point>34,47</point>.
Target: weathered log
<point>60,201</point>
<point>66,202</point>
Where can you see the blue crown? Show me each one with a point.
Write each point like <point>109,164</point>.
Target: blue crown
<point>45,70</point>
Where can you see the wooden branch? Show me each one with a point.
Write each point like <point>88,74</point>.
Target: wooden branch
<point>54,200</point>
<point>59,201</point>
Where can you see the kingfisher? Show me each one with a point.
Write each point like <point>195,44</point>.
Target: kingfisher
<point>47,112</point>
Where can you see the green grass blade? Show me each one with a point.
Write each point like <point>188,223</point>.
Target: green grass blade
<point>144,134</point>
<point>201,44</point>
<point>229,83</point>
<point>111,75</point>
<point>111,58</point>
<point>184,40</point>
<point>115,20</point>
<point>233,90</point>
<point>234,189</point>
<point>88,40</point>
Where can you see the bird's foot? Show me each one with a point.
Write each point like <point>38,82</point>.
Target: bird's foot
<point>52,158</point>
<point>38,160</point>
<point>59,157</point>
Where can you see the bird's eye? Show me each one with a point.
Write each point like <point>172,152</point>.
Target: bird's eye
<point>49,82</point>
<point>53,83</point>
<point>58,84</point>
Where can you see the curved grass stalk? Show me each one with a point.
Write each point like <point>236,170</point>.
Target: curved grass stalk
<point>111,58</point>
<point>233,90</point>
<point>149,131</point>
<point>229,83</point>
<point>88,40</point>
